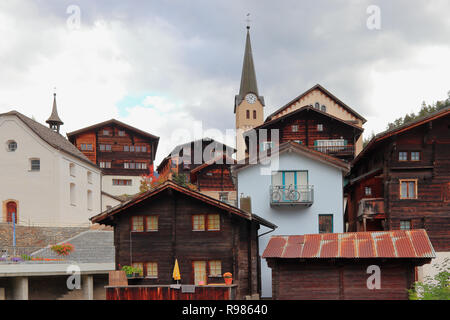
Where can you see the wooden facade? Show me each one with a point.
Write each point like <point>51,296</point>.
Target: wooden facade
<point>347,266</point>
<point>314,129</point>
<point>117,148</point>
<point>235,244</point>
<point>295,279</point>
<point>210,172</point>
<point>401,180</point>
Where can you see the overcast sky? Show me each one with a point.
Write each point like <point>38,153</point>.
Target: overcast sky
<point>166,65</point>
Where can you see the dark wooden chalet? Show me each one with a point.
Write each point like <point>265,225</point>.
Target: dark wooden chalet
<point>401,180</point>
<point>117,148</point>
<point>347,266</point>
<point>207,237</point>
<point>312,128</point>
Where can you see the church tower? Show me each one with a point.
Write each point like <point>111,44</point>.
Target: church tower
<point>248,104</point>
<point>54,122</point>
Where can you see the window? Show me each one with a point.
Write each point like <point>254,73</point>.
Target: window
<point>408,189</point>
<point>152,223</point>
<point>325,223</point>
<point>213,222</point>
<point>415,156</point>
<point>405,225</point>
<point>89,200</point>
<point>266,145</point>
<point>72,169</point>
<point>254,114</point>
<point>137,223</point>
<point>86,146</point>
<point>138,148</point>
<point>12,146</point>
<point>317,105</point>
<point>323,108</point>
<point>320,127</point>
<point>248,114</point>
<point>35,164</point>
<point>89,177</point>
<point>105,147</point>
<point>121,133</point>
<point>126,148</point>
<point>294,128</point>
<point>131,148</point>
<point>121,182</point>
<point>199,272</point>
<point>174,163</point>
<point>152,270</point>
<point>215,268</point>
<point>198,222</point>
<point>368,191</point>
<point>72,194</point>
<point>144,149</point>
<point>106,132</point>
<point>106,164</point>
<point>223,196</point>
<point>140,266</point>
<point>403,156</point>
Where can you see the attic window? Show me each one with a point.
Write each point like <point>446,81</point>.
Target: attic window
<point>12,146</point>
<point>323,108</point>
<point>317,105</point>
<point>121,133</point>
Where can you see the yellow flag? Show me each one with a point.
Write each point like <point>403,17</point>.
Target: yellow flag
<point>176,271</point>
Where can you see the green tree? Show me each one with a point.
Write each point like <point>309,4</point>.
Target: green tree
<point>436,288</point>
<point>423,112</point>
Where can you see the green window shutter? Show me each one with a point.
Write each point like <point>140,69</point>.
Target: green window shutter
<point>345,142</point>
<point>315,142</point>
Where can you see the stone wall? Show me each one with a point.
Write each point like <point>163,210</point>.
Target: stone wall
<point>36,236</point>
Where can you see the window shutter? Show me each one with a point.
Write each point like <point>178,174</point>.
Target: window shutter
<point>315,142</point>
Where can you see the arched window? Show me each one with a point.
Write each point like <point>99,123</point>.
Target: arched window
<point>317,105</point>
<point>89,200</point>
<point>254,114</point>
<point>248,114</point>
<point>11,208</point>
<point>72,169</point>
<point>324,108</point>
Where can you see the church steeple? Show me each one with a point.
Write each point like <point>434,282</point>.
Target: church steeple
<point>248,104</point>
<point>54,122</point>
<point>248,76</point>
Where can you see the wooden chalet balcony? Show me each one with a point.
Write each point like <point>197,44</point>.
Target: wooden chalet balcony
<point>292,195</point>
<point>371,207</point>
<point>336,150</point>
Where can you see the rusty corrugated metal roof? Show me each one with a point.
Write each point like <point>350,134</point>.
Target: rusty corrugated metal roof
<point>378,244</point>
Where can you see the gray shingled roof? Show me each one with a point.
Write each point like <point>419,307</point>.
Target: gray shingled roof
<point>54,139</point>
<point>91,246</point>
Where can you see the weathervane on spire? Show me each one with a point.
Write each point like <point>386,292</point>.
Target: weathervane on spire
<point>248,20</point>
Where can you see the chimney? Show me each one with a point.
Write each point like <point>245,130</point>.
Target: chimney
<point>246,204</point>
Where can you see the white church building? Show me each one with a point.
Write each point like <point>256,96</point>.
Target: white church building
<point>44,179</point>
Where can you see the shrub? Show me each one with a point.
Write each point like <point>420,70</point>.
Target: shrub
<point>63,249</point>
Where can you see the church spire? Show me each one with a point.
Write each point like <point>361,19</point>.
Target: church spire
<point>54,121</point>
<point>248,76</point>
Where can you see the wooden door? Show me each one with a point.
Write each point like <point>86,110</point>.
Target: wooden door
<point>11,208</point>
<point>199,272</point>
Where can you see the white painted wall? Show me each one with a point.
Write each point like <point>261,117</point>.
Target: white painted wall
<point>44,196</point>
<point>108,187</point>
<point>293,220</point>
<point>108,201</point>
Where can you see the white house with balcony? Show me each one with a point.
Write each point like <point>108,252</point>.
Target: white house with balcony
<point>301,192</point>
<point>44,179</point>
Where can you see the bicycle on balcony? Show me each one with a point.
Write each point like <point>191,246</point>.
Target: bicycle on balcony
<point>280,193</point>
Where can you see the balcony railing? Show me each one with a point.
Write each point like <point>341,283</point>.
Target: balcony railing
<point>342,150</point>
<point>371,207</point>
<point>292,195</point>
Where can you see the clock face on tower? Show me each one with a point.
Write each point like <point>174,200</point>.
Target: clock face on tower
<point>250,98</point>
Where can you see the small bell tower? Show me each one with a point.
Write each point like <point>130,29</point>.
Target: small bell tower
<point>54,122</point>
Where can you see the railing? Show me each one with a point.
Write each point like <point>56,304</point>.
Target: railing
<point>335,149</point>
<point>292,195</point>
<point>371,207</point>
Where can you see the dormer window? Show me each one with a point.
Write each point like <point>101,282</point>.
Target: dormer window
<point>106,132</point>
